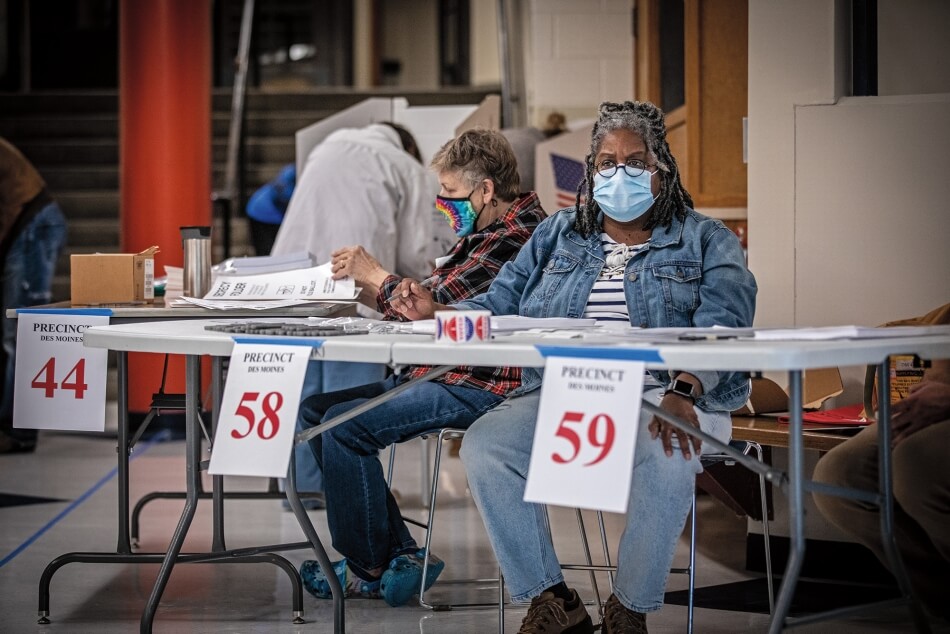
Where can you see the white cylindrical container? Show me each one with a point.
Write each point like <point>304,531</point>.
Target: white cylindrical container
<point>196,245</point>
<point>462,326</point>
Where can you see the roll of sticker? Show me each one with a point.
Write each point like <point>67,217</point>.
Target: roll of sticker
<point>462,326</point>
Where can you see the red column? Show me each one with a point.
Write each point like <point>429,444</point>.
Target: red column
<point>164,145</point>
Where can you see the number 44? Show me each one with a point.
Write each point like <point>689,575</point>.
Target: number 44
<point>48,383</point>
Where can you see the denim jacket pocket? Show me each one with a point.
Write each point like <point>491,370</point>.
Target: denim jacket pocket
<point>680,286</point>
<point>558,268</point>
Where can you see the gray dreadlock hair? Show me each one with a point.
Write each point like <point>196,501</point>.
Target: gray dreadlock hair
<point>647,121</point>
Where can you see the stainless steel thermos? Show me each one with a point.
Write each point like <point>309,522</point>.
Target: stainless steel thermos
<point>196,244</point>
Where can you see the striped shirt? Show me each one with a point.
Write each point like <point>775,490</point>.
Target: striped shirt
<point>607,301</point>
<point>468,270</point>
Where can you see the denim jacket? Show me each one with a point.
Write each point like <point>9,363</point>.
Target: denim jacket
<point>692,274</point>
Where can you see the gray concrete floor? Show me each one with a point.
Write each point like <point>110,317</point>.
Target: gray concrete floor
<point>78,471</point>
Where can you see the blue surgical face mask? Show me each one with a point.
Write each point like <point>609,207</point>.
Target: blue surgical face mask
<point>624,197</point>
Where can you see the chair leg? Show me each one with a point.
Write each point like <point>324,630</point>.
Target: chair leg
<point>603,542</point>
<point>590,562</point>
<point>692,564</point>
<point>765,531</point>
<point>501,602</point>
<point>433,493</point>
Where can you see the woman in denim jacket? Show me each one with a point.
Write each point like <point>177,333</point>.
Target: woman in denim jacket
<point>634,250</point>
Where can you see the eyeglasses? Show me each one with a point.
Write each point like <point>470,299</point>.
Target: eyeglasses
<point>633,169</point>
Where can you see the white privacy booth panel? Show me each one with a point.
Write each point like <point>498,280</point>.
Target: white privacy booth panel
<point>431,126</point>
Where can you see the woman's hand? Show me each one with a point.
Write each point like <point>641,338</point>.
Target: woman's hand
<point>681,407</point>
<point>414,301</point>
<point>357,263</point>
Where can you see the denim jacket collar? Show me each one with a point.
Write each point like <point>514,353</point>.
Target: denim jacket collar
<point>659,238</point>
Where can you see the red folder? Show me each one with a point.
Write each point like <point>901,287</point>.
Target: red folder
<point>848,415</point>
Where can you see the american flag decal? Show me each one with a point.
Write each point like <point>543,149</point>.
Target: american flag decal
<point>568,174</point>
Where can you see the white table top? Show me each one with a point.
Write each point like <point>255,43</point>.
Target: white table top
<point>157,311</point>
<point>734,355</point>
<point>190,337</point>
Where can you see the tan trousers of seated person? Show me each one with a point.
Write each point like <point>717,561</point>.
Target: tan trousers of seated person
<point>921,475</point>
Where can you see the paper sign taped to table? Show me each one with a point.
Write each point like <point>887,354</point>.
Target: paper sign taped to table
<point>60,384</point>
<point>586,433</point>
<point>256,427</point>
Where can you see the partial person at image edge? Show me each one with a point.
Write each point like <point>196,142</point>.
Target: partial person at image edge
<point>32,236</point>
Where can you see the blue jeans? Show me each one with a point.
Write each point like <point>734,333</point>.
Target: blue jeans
<point>321,377</point>
<point>27,281</point>
<point>364,519</point>
<point>496,452</point>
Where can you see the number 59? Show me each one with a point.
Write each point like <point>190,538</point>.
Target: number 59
<point>603,441</point>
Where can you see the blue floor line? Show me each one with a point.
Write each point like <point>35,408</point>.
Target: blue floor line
<point>145,446</point>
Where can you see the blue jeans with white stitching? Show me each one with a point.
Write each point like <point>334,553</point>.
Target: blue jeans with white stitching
<point>364,519</point>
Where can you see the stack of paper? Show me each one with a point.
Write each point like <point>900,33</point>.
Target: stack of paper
<point>265,264</point>
<point>174,283</point>
<point>269,290</point>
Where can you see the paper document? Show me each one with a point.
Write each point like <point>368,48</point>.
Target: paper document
<point>847,332</point>
<point>260,265</point>
<point>315,283</point>
<point>217,304</point>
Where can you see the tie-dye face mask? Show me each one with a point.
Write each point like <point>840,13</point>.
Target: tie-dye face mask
<point>460,212</point>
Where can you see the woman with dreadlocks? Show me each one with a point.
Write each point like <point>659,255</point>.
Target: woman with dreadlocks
<point>633,250</point>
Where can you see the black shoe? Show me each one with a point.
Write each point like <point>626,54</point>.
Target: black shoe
<point>619,620</point>
<point>551,615</point>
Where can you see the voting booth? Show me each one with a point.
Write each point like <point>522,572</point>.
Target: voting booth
<point>431,126</point>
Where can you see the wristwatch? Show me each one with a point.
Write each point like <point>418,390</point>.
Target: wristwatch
<point>683,388</point>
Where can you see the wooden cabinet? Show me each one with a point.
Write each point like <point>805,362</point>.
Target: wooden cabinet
<point>692,60</point>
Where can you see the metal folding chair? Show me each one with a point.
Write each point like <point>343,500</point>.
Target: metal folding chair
<point>444,435</point>
<point>745,447</point>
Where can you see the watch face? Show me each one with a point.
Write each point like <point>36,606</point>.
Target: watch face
<point>683,387</point>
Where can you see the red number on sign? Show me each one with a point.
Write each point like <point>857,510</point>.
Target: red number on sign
<point>604,444</point>
<point>608,439</point>
<point>78,386</point>
<point>569,435</point>
<point>269,407</point>
<point>270,414</point>
<point>245,412</point>
<point>49,384</point>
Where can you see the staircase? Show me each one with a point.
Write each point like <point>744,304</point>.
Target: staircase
<point>73,140</point>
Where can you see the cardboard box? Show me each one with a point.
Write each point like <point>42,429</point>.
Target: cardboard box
<point>112,278</point>
<point>768,398</point>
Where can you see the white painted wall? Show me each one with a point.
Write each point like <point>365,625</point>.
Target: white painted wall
<point>580,53</point>
<point>849,199</point>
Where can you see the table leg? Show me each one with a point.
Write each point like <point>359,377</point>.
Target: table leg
<point>123,545</point>
<point>886,487</point>
<point>336,590</point>
<point>796,513</point>
<point>192,475</point>
<point>217,482</point>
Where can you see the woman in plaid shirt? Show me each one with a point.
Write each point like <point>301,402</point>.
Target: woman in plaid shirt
<point>480,197</point>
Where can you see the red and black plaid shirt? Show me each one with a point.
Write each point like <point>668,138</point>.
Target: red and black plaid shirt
<point>468,271</point>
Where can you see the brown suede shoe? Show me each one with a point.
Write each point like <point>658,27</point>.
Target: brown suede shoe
<point>550,615</point>
<point>620,620</point>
